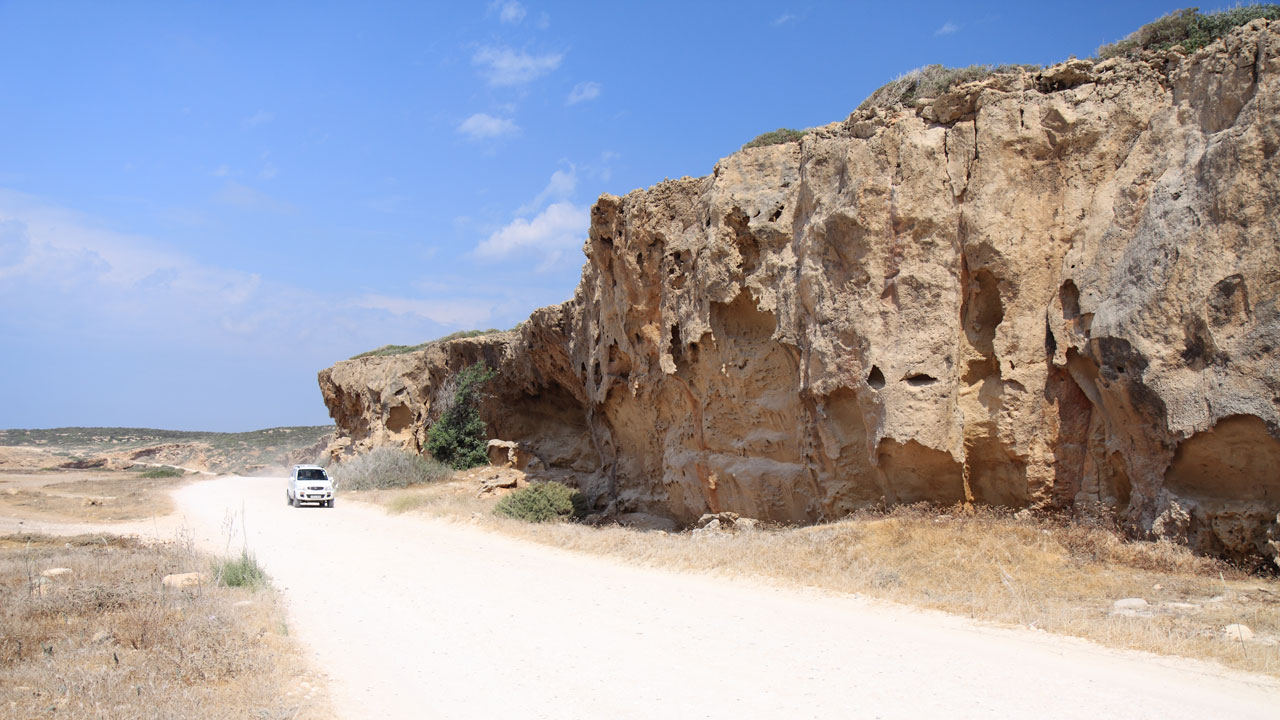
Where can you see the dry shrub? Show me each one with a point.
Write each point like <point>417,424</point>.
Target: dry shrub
<point>109,640</point>
<point>386,467</point>
<point>1189,28</point>
<point>931,81</point>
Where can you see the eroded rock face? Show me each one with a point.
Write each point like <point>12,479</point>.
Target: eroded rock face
<point>1053,289</point>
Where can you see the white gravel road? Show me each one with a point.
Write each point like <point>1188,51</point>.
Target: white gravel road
<point>415,618</point>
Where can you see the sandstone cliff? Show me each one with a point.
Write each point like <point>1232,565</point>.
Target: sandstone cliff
<point>1045,289</point>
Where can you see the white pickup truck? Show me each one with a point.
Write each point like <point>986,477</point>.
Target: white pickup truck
<point>309,484</point>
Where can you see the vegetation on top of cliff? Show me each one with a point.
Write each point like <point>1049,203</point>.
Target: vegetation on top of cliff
<point>459,438</point>
<point>386,467</point>
<point>1188,28</point>
<point>386,350</point>
<point>776,137</point>
<point>934,80</point>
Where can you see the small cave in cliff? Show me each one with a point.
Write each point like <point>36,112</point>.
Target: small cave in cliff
<point>1069,297</point>
<point>915,473</point>
<point>981,312</point>
<point>399,418</point>
<point>552,423</point>
<point>1236,460</point>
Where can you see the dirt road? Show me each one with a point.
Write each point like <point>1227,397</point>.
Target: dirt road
<point>414,618</point>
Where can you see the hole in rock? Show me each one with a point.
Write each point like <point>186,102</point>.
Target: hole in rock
<point>983,311</point>
<point>399,418</point>
<point>876,378</point>
<point>776,214</point>
<point>1069,295</point>
<point>921,379</point>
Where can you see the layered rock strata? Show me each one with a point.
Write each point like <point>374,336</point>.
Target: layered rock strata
<point>1050,289</point>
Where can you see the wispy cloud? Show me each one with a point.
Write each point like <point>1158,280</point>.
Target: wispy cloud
<point>504,67</point>
<point>558,229</point>
<point>269,171</point>
<point>947,29</point>
<point>510,12</point>
<point>262,117</point>
<point>582,92</point>
<point>222,170</point>
<point>483,126</point>
<point>783,19</point>
<point>559,187</point>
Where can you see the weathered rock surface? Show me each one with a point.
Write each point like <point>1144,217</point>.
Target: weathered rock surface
<point>1054,289</point>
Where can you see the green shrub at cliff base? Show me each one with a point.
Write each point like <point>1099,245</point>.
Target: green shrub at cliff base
<point>1188,28</point>
<point>542,502</point>
<point>459,438</point>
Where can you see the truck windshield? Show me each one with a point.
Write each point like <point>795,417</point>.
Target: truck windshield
<point>315,474</point>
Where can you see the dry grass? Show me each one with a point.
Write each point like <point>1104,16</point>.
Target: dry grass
<point>1044,573</point>
<point>108,640</point>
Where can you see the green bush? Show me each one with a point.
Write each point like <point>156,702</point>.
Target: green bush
<point>386,467</point>
<point>1188,28</point>
<point>163,471</point>
<point>776,137</point>
<point>542,502</point>
<point>243,571</point>
<point>460,438</point>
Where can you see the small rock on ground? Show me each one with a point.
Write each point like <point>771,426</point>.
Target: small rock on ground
<point>1236,631</point>
<point>182,580</point>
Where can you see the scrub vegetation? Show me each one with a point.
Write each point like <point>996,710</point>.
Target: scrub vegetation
<point>1188,28</point>
<point>542,502</point>
<point>90,631</point>
<point>386,350</point>
<point>459,438</point>
<point>776,137</point>
<point>386,467</point>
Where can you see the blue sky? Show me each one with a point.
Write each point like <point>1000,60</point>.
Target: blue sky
<point>202,205</point>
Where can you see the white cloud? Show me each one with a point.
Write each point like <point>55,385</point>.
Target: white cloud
<point>482,126</point>
<point>509,12</point>
<point>946,29</point>
<point>559,187</point>
<point>504,67</point>
<point>222,170</point>
<point>783,19</point>
<point>269,170</point>
<point>583,91</point>
<point>262,117</point>
<point>561,227</point>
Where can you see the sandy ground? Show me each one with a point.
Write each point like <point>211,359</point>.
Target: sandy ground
<point>410,617</point>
